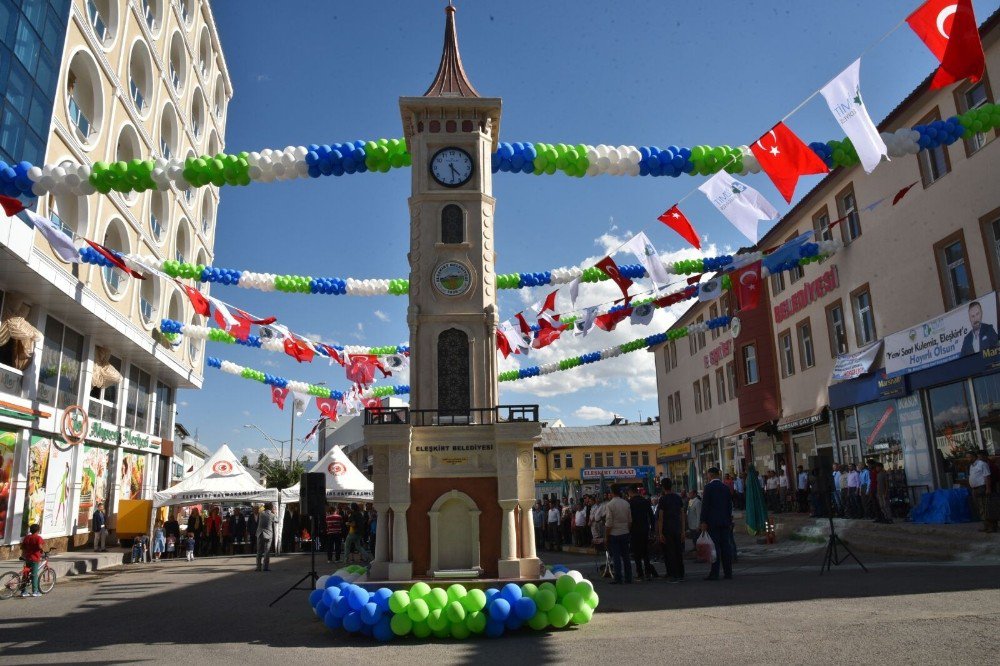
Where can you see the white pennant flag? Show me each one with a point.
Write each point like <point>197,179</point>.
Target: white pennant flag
<point>584,325</point>
<point>513,336</point>
<point>61,244</point>
<point>223,311</point>
<point>843,96</point>
<point>641,314</point>
<point>300,402</point>
<point>741,204</point>
<point>394,362</point>
<point>710,290</point>
<point>644,251</point>
<point>574,291</point>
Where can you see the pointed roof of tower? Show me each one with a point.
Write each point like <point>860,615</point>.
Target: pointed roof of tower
<point>451,80</point>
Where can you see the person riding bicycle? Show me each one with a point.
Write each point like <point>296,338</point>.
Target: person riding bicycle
<point>31,550</point>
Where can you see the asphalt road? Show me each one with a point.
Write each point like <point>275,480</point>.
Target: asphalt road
<point>776,610</point>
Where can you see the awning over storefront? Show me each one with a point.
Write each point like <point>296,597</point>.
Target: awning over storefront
<point>672,452</point>
<point>747,430</point>
<point>802,419</point>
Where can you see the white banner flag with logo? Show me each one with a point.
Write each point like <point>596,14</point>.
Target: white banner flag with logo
<point>644,251</point>
<point>843,96</point>
<point>741,204</point>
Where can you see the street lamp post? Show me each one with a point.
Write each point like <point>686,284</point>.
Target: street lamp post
<point>278,444</point>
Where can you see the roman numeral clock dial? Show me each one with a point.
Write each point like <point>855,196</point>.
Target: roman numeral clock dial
<point>451,167</point>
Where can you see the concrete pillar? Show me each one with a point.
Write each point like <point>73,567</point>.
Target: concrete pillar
<point>527,529</point>
<point>382,533</point>
<point>508,531</point>
<point>400,537</point>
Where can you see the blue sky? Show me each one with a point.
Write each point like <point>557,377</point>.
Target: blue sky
<point>642,73</point>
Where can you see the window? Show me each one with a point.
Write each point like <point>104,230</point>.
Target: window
<point>104,401</point>
<point>137,405</point>
<point>847,210</point>
<point>821,225</point>
<point>807,355</point>
<point>610,458</point>
<point>78,117</point>
<point>933,162</point>
<point>837,328</point>
<point>100,28</point>
<point>731,378</point>
<point>990,226</point>
<point>556,461</point>
<point>534,459</point>
<point>987,390</point>
<point>777,283</point>
<point>878,425</point>
<point>750,364</point>
<point>59,376</point>
<point>696,390</point>
<point>798,272</point>
<point>953,270</point>
<point>670,409</point>
<point>953,424</point>
<point>622,459</point>
<point>633,458</point>
<point>787,355</point>
<point>452,225</point>
<point>847,426</point>
<point>706,389</point>
<point>666,359</point>
<point>973,97</point>
<point>586,460</point>
<point>864,316</point>
<point>720,385</point>
<point>691,345</point>
<point>645,457</point>
<point>673,349</point>
<point>164,409</point>
<point>598,460</point>
<point>12,357</point>
<point>569,461</point>
<point>677,404</point>
<point>713,312</point>
<point>701,335</point>
<point>137,96</point>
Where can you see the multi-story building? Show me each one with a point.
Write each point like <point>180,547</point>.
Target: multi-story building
<point>110,81</point>
<point>907,279</point>
<point>577,458</point>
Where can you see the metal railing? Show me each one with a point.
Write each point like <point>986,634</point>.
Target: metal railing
<point>79,118</point>
<point>100,29</point>
<point>65,228</point>
<point>148,13</point>
<point>146,308</point>
<point>175,77</point>
<point>137,96</point>
<point>448,417</point>
<point>155,226</point>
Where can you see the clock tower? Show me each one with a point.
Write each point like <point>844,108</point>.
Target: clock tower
<point>454,473</point>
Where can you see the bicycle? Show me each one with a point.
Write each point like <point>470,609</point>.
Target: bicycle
<point>13,582</point>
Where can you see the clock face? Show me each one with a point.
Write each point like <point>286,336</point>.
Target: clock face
<point>452,278</point>
<point>451,167</point>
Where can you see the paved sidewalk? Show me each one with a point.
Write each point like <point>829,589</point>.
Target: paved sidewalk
<point>73,563</point>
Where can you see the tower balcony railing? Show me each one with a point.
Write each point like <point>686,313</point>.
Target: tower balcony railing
<point>450,417</point>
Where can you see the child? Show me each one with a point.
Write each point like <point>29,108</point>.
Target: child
<point>159,541</point>
<point>190,546</point>
<point>171,547</point>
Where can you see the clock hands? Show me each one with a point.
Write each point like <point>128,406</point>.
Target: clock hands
<point>451,165</point>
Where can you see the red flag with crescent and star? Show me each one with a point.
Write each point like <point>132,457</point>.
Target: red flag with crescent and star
<point>784,157</point>
<point>278,396</point>
<point>748,285</point>
<point>678,221</point>
<point>110,256</point>
<point>198,300</point>
<point>548,332</point>
<point>327,407</point>
<point>610,268</point>
<point>299,350</point>
<point>948,28</point>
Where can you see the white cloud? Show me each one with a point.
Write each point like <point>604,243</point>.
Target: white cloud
<point>591,413</point>
<point>263,77</point>
<point>183,403</point>
<point>269,363</point>
<point>319,337</point>
<point>552,408</point>
<point>359,332</point>
<point>381,316</point>
<point>246,412</point>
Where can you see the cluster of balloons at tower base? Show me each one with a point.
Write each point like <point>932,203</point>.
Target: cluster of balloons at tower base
<point>565,598</point>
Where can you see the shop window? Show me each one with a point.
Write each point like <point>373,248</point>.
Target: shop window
<point>713,312</point>
<point>787,354</point>
<point>731,378</point>
<point>645,458</point>
<point>104,401</point>
<point>586,460</point>
<point>750,373</point>
<point>137,404</point>
<point>569,461</point>
<point>878,426</point>
<point>973,96</point>
<point>953,270</point>
<point>987,391</point>
<point>847,210</point>
<point>954,428</point>
<point>622,459</point>
<point>696,391</point>
<point>598,459</point>
<point>633,458</point>
<point>836,328</point>
<point>864,316</point>
<point>807,355</point>
<point>59,376</point>
<point>720,386</point>
<point>452,225</point>
<point>164,409</point>
<point>847,426</point>
<point>706,389</point>
<point>556,461</point>
<point>934,163</point>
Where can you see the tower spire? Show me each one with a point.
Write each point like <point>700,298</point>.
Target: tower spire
<point>451,80</point>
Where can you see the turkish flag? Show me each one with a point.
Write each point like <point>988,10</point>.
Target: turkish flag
<point>372,404</point>
<point>362,369</point>
<point>610,268</point>
<point>549,303</point>
<point>11,206</point>
<point>110,256</point>
<point>677,221</point>
<point>299,350</point>
<point>608,320</point>
<point>547,333</point>
<point>237,325</point>
<point>784,158</point>
<point>266,321</point>
<point>198,300</point>
<point>278,396</point>
<point>333,354</point>
<point>748,285</point>
<point>948,28</point>
<point>503,345</point>
<point>327,407</point>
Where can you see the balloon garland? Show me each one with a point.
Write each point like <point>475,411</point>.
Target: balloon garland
<point>299,387</point>
<point>563,599</point>
<point>338,159</point>
<point>302,284</point>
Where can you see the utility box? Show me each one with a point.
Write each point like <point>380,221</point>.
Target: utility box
<point>134,518</point>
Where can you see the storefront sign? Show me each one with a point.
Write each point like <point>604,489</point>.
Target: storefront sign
<point>74,424</point>
<point>812,419</point>
<point>720,352</point>
<point>454,448</point>
<point>808,294</point>
<point>849,366</point>
<point>105,432</point>
<point>966,330</point>
<point>892,387</point>
<point>612,473</point>
<point>991,358</point>
<point>673,452</point>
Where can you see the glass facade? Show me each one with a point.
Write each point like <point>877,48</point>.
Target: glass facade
<point>32,33</point>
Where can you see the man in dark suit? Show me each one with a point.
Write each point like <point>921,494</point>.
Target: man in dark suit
<point>717,520</point>
<point>982,336</point>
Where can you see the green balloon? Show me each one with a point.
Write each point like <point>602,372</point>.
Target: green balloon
<point>564,585</point>
<point>545,599</point>
<point>455,611</point>
<point>459,631</point>
<point>547,585</point>
<point>476,622</point>
<point>475,600</point>
<point>573,602</point>
<point>419,590</point>
<point>539,620</point>
<point>529,589</point>
<point>421,629</point>
<point>442,633</point>
<point>400,624</point>
<point>583,615</point>
<point>437,598</point>
<point>437,620</point>
<point>399,600</point>
<point>592,599</point>
<point>418,610</point>
<point>584,588</point>
<point>559,616</point>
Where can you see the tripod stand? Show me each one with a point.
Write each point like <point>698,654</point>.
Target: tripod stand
<point>312,576</point>
<point>833,556</point>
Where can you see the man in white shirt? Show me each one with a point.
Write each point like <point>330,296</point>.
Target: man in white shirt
<point>617,529</point>
<point>853,492</point>
<point>802,490</point>
<point>771,491</point>
<point>782,489</point>
<point>980,483</point>
<point>597,515</point>
<point>580,525</point>
<point>552,526</point>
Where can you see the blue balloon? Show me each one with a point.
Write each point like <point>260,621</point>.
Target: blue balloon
<point>525,608</point>
<point>321,609</point>
<point>352,622</point>
<point>331,595</point>
<point>357,597</point>
<point>341,607</point>
<point>513,623</point>
<point>494,629</point>
<point>314,597</point>
<point>382,631</point>
<point>490,594</point>
<point>371,613</point>
<point>366,630</point>
<point>332,621</point>
<point>381,598</point>
<point>499,609</point>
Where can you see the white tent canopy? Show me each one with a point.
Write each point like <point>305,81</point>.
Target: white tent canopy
<point>344,481</point>
<point>221,479</point>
